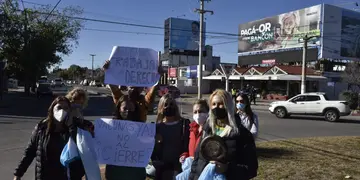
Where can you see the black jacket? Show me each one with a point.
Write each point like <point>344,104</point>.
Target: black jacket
<point>241,157</point>
<point>36,148</point>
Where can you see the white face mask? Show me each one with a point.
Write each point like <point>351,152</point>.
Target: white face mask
<point>200,118</point>
<point>59,114</point>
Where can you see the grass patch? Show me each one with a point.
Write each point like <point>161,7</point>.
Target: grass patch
<point>329,158</point>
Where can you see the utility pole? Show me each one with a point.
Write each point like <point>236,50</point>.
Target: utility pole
<point>26,52</point>
<point>304,60</point>
<point>92,66</point>
<point>201,11</point>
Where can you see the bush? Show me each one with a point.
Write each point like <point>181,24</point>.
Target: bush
<point>351,97</point>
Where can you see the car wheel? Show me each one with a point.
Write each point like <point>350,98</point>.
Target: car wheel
<point>280,112</point>
<point>331,115</point>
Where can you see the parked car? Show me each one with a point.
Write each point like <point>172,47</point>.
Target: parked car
<point>44,89</point>
<point>57,82</point>
<point>314,104</point>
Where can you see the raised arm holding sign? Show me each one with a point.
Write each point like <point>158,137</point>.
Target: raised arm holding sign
<point>130,66</point>
<point>123,68</point>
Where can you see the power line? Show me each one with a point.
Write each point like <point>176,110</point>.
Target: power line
<point>89,12</point>
<point>52,10</point>
<point>224,35</point>
<point>150,26</point>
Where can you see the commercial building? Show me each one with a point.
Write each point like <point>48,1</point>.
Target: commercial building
<point>275,45</point>
<point>181,56</point>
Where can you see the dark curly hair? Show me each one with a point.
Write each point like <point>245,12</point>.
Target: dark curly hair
<point>125,98</point>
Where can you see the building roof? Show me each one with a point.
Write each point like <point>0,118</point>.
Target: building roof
<point>296,70</point>
<point>241,70</point>
<point>262,70</point>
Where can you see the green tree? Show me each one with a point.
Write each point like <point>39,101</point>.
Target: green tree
<point>33,40</point>
<point>351,75</point>
<point>63,73</point>
<point>75,72</point>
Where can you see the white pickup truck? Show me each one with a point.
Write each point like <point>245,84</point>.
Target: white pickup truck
<point>314,104</point>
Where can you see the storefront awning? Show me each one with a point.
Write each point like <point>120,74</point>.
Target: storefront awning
<point>288,77</point>
<point>280,77</point>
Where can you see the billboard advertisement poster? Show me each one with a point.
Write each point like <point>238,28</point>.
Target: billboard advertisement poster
<point>341,34</point>
<point>281,32</point>
<point>172,72</point>
<point>193,72</point>
<point>184,34</point>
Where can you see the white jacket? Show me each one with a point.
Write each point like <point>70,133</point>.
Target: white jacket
<point>253,128</point>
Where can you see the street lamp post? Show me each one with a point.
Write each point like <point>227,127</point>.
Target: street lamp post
<point>92,66</point>
<point>304,60</point>
<point>201,11</point>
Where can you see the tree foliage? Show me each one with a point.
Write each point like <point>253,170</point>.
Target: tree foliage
<point>33,40</point>
<point>351,75</point>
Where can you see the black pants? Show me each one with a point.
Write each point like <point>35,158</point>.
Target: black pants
<point>253,98</point>
<point>167,171</point>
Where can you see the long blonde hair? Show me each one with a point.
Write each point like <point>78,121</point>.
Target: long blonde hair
<point>163,100</point>
<point>229,105</point>
<point>77,93</point>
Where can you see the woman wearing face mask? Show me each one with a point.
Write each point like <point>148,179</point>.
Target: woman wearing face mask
<point>240,161</point>
<point>78,98</point>
<point>248,119</point>
<point>125,110</point>
<point>46,144</point>
<point>200,115</point>
<point>172,139</point>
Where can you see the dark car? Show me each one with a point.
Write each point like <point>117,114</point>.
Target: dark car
<point>44,89</point>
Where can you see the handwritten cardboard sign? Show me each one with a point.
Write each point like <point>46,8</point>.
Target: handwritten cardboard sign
<point>124,143</point>
<point>132,66</point>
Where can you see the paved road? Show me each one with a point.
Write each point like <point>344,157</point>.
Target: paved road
<point>19,114</point>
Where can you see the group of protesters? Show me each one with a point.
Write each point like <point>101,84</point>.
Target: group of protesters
<point>178,140</point>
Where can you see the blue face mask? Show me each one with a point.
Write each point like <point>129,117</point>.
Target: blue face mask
<point>240,106</point>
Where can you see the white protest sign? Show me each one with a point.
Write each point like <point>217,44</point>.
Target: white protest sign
<point>124,143</point>
<point>132,66</point>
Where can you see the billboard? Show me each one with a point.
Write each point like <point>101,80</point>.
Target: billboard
<point>192,72</point>
<point>182,34</point>
<point>281,32</point>
<point>341,33</point>
<point>279,57</point>
<point>172,72</point>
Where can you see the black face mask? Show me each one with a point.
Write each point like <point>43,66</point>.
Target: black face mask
<point>169,111</point>
<point>220,113</point>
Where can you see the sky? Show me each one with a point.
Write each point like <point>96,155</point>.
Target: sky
<point>228,14</point>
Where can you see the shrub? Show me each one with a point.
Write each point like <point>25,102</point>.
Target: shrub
<point>351,97</point>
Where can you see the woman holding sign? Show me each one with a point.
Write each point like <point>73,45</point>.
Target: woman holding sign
<point>226,145</point>
<point>125,110</point>
<point>143,102</point>
<point>46,144</point>
<point>172,139</point>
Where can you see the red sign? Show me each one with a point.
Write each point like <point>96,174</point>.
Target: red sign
<point>268,61</point>
<point>172,72</point>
